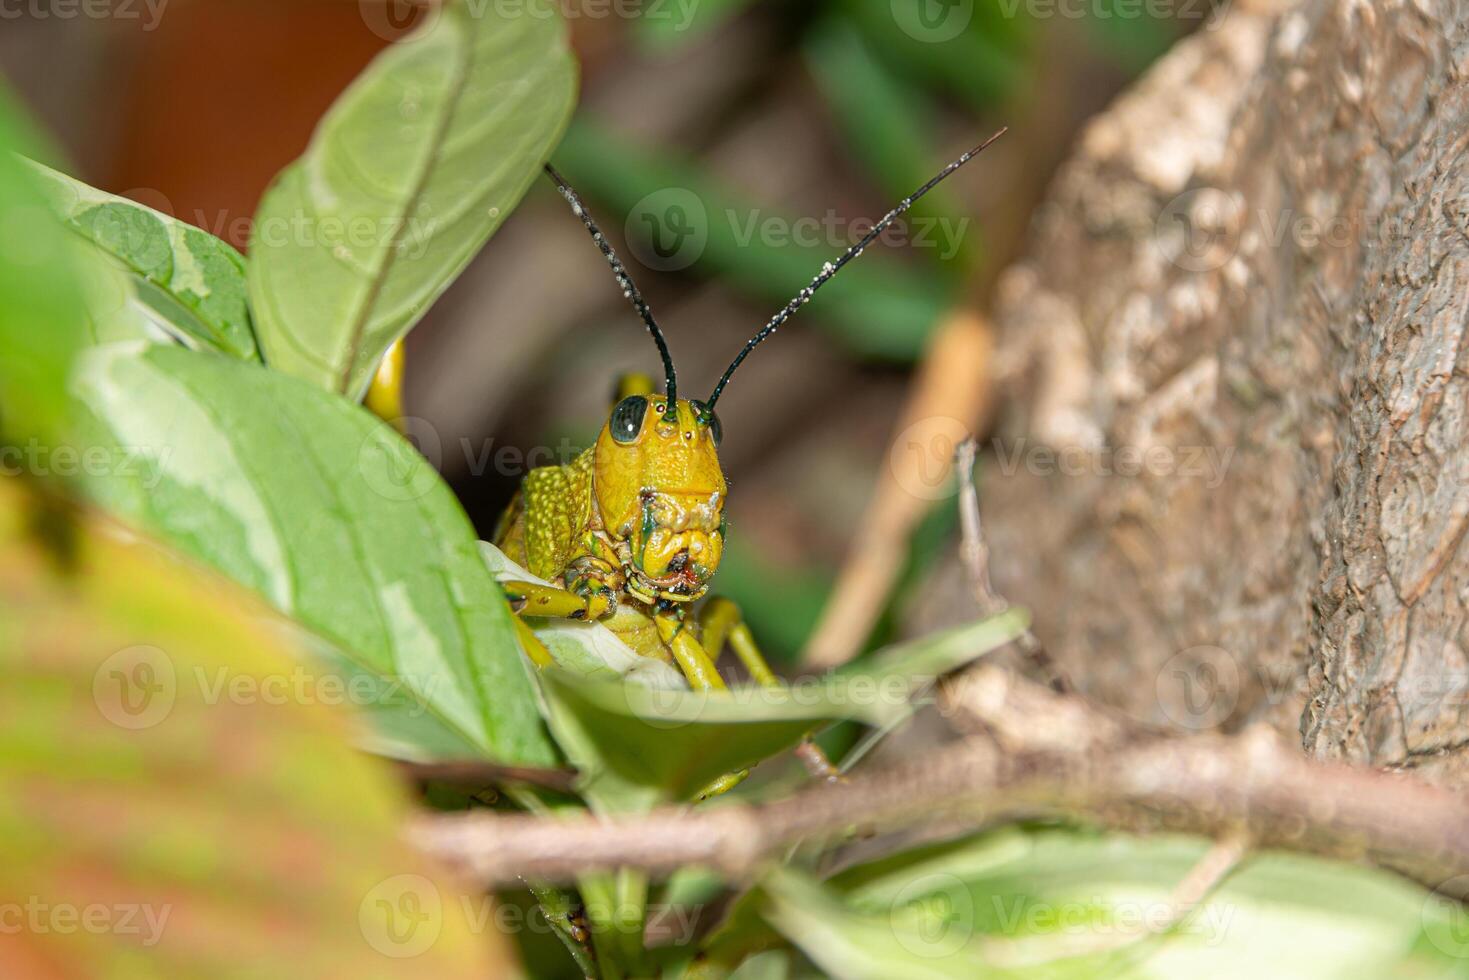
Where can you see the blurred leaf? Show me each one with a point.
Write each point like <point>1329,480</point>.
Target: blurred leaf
<point>330,515</point>
<point>153,824</point>
<point>408,175</point>
<point>1060,903</point>
<point>670,24</point>
<point>886,127</point>
<point>192,281</point>
<point>942,652</point>
<point>875,308</point>
<point>42,319</point>
<point>974,49</point>
<point>636,745</point>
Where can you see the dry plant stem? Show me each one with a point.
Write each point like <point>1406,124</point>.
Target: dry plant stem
<point>974,553</point>
<point>1252,785</point>
<point>953,383</point>
<point>1205,876</point>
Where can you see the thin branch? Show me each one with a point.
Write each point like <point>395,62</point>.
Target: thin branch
<point>1253,785</point>
<point>974,552</point>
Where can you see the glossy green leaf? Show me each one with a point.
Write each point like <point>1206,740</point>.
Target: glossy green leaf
<point>334,519</point>
<point>408,175</point>
<point>1022,903</point>
<point>192,282</point>
<point>43,320</point>
<point>637,745</point>
<point>154,824</point>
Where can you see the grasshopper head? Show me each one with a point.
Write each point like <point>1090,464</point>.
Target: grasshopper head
<point>658,485</point>
<point>660,492</point>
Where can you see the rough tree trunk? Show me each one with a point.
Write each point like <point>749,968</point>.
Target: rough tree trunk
<point>1233,482</point>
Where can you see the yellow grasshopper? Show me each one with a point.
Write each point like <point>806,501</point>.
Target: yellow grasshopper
<point>632,530</point>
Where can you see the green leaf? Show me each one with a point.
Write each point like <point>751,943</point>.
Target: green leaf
<point>153,825</point>
<point>408,175</point>
<point>636,745</point>
<point>43,320</point>
<point>191,281</point>
<point>335,520</point>
<point>1027,903</point>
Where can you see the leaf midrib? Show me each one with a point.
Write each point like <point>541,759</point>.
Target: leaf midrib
<point>459,82</point>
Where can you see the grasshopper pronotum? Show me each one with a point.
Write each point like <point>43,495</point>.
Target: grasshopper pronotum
<point>632,530</point>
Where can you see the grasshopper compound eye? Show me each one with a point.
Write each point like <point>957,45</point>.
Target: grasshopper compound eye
<point>627,418</point>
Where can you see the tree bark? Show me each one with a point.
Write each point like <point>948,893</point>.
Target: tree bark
<point>1233,479</point>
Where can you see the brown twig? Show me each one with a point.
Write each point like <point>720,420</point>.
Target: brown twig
<point>974,553</point>
<point>1252,785</point>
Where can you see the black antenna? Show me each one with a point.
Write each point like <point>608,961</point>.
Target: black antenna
<point>629,288</point>
<point>830,268</point>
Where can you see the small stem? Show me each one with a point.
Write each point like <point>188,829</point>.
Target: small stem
<point>599,898</point>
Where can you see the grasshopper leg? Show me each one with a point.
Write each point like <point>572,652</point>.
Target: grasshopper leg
<point>721,621</point>
<point>698,667</point>
<point>688,652</point>
<point>531,599</point>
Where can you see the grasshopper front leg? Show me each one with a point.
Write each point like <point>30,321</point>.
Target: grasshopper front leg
<point>698,668</point>
<point>532,599</point>
<point>589,599</point>
<point>721,620</point>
